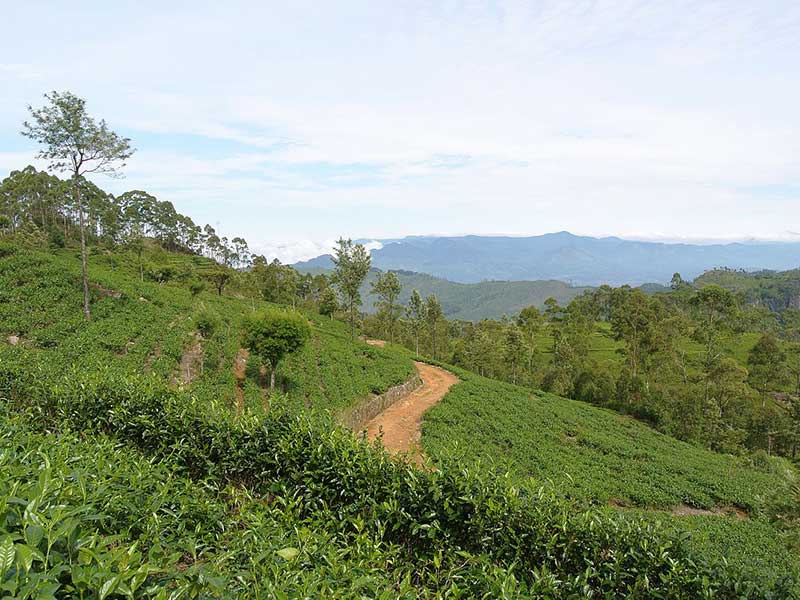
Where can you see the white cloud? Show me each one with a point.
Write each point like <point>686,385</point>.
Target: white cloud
<point>312,120</point>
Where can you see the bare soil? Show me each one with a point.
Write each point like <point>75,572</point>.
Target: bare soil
<point>684,510</point>
<point>399,426</point>
<point>239,373</point>
<point>191,362</point>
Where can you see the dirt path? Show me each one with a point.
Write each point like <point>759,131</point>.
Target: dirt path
<point>239,373</point>
<point>400,423</point>
<point>191,365</point>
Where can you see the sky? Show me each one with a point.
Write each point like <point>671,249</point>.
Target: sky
<point>295,123</point>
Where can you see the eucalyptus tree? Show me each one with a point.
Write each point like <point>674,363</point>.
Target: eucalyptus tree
<point>514,350</point>
<point>530,321</point>
<point>415,312</point>
<point>387,287</point>
<point>715,311</point>
<point>433,314</point>
<point>74,142</point>
<point>352,262</point>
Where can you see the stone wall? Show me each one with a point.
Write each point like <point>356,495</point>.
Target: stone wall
<point>357,416</point>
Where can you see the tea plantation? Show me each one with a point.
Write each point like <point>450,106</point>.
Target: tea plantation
<point>602,458</point>
<point>137,462</point>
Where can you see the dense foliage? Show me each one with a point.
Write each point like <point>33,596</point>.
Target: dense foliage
<point>340,511</point>
<point>445,517</point>
<point>143,458</point>
<point>697,362</point>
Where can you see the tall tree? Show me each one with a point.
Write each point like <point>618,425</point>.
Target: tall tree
<point>515,350</point>
<point>415,312</point>
<point>76,143</point>
<point>530,322</point>
<point>387,287</point>
<point>766,363</point>
<point>352,262</point>
<point>715,311</point>
<point>433,314</point>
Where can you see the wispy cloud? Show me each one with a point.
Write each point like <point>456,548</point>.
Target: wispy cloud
<point>307,121</point>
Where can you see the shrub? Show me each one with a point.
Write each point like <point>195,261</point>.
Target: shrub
<point>273,334</point>
<point>207,322</point>
<point>454,510</point>
<point>196,287</point>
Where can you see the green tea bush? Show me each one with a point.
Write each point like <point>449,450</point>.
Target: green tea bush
<point>555,549</point>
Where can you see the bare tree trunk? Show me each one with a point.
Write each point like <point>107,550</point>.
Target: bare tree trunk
<point>272,378</point>
<point>352,319</point>
<point>84,271</point>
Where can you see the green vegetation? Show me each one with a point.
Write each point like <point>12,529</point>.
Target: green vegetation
<point>776,290</point>
<point>602,458</point>
<point>146,326</point>
<point>65,370</point>
<point>696,362</point>
<point>464,528</point>
<point>466,301</point>
<point>588,452</point>
<point>274,334</point>
<point>142,456</point>
<point>351,265</point>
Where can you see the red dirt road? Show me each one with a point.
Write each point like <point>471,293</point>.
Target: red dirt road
<point>400,423</point>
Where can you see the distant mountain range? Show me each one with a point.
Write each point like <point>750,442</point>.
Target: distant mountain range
<point>577,260</point>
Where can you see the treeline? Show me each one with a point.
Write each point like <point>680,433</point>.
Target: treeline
<point>775,290</point>
<point>40,208</point>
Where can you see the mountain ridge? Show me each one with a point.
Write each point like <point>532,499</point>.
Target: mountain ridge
<point>573,259</point>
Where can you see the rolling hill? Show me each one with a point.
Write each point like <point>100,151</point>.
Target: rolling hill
<point>577,260</point>
<point>463,301</point>
<point>168,470</point>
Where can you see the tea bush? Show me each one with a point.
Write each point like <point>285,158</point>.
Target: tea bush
<point>555,548</point>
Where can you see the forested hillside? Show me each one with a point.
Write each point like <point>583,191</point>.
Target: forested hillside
<point>699,362</point>
<point>171,408</point>
<point>465,301</point>
<point>60,370</point>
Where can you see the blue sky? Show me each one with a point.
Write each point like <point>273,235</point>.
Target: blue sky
<point>295,123</point>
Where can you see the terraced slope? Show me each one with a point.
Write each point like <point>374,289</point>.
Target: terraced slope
<point>605,459</point>
<point>147,327</point>
<point>282,503</point>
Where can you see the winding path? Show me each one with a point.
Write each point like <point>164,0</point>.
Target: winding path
<point>400,424</point>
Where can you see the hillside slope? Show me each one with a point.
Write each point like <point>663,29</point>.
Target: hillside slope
<point>607,459</point>
<point>465,301</point>
<point>270,498</point>
<point>145,326</point>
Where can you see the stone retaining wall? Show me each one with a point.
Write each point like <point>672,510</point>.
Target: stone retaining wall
<point>357,416</point>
